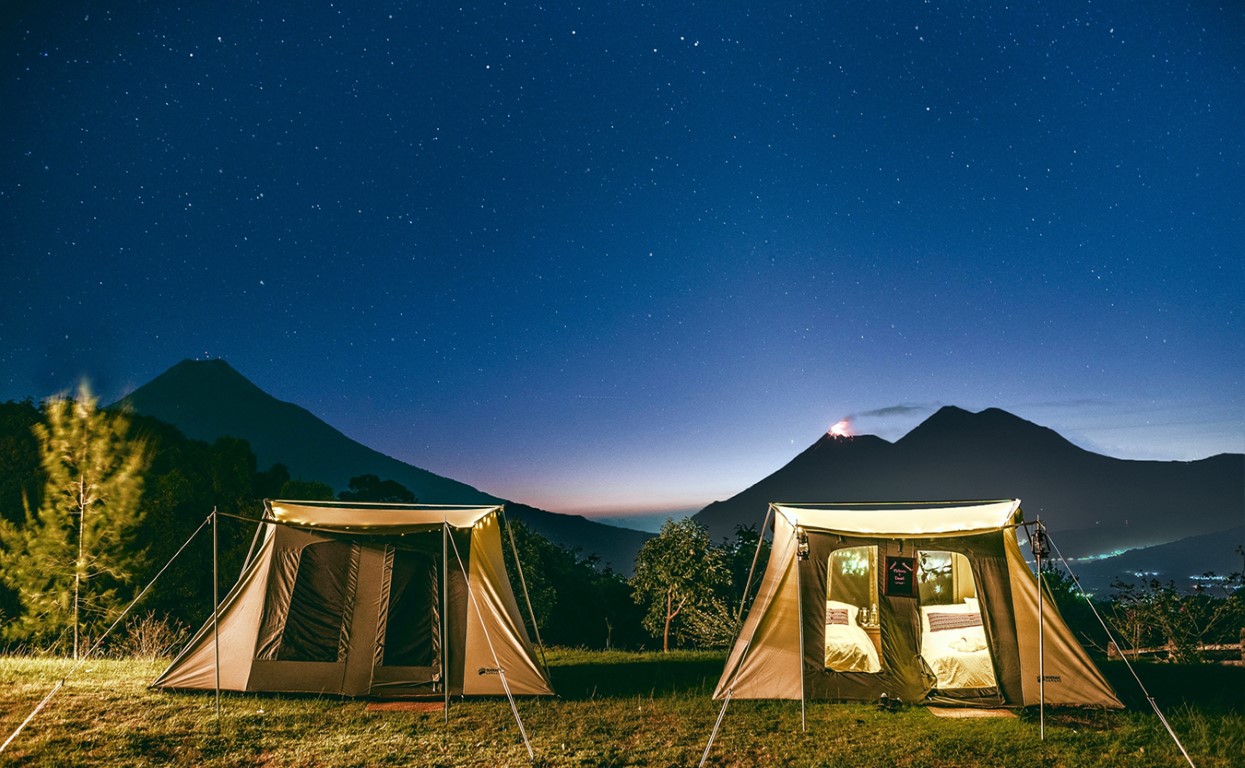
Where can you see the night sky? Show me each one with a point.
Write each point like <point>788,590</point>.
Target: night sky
<point>619,258</point>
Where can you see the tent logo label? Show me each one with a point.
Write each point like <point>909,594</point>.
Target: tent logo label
<point>489,671</point>
<point>1051,678</point>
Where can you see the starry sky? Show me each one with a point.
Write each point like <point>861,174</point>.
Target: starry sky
<point>628,258</point>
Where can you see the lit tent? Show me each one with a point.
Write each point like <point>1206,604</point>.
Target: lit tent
<point>927,603</point>
<point>376,600</point>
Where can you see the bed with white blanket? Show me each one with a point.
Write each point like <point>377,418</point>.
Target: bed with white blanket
<point>848,647</point>
<point>953,643</point>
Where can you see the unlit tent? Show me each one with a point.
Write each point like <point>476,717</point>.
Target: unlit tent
<point>378,600</point>
<point>375,600</point>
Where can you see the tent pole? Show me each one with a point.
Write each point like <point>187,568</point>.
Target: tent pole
<point>752,568</point>
<point>259,527</point>
<point>799,605</point>
<point>1039,536</point>
<point>726,702</point>
<point>523,582</point>
<point>730,689</point>
<point>501,673</point>
<point>1123,656</point>
<point>216,609</point>
<point>445,617</point>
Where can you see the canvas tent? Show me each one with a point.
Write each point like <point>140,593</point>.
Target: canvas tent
<point>376,600</point>
<point>928,603</point>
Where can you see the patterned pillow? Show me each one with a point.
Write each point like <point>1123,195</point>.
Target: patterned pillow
<point>939,622</point>
<point>836,616</point>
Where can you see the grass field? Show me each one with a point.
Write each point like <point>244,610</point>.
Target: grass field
<point>615,709</point>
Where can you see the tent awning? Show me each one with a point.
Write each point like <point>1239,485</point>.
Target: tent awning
<point>917,519</point>
<point>362,518</point>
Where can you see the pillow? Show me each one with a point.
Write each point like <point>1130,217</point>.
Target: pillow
<point>971,602</point>
<point>926,610</point>
<point>848,612</point>
<point>836,616</point>
<point>942,621</point>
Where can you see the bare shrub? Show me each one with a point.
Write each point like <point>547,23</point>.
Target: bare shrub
<point>151,637</point>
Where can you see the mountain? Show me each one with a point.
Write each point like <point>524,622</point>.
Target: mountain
<point>207,399</point>
<point>1091,503</point>
<point>1182,562</point>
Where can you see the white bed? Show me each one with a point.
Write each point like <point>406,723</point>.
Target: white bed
<point>953,643</point>
<point>848,647</point>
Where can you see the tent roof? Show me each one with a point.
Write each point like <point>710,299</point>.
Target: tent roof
<point>358,517</point>
<point>902,519</point>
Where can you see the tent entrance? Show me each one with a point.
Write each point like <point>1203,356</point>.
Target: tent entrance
<point>865,608</point>
<point>358,617</point>
<point>954,643</point>
<point>408,646</point>
<point>412,626</point>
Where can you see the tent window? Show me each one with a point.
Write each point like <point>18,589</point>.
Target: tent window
<point>953,636</point>
<point>412,636</point>
<point>853,642</point>
<point>318,604</point>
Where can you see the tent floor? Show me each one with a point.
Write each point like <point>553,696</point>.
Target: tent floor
<point>969,712</point>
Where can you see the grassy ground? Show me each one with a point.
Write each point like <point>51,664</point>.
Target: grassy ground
<point>615,709</point>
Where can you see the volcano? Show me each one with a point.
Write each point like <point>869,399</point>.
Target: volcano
<point>208,399</point>
<point>1092,504</point>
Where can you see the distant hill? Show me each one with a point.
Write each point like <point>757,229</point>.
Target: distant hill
<point>209,399</point>
<point>1179,562</point>
<point>1091,503</point>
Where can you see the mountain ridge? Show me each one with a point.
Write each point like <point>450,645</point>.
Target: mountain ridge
<point>1096,503</point>
<point>207,399</point>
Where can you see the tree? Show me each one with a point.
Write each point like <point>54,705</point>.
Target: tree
<point>715,623</point>
<point>1074,607</point>
<point>677,573</point>
<point>576,602</point>
<point>744,559</point>
<point>1160,615</point>
<point>307,490</point>
<point>20,474</point>
<point>72,560</point>
<point>21,478</point>
<point>187,479</point>
<point>372,488</point>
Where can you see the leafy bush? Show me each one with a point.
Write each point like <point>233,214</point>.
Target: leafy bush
<point>1155,614</point>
